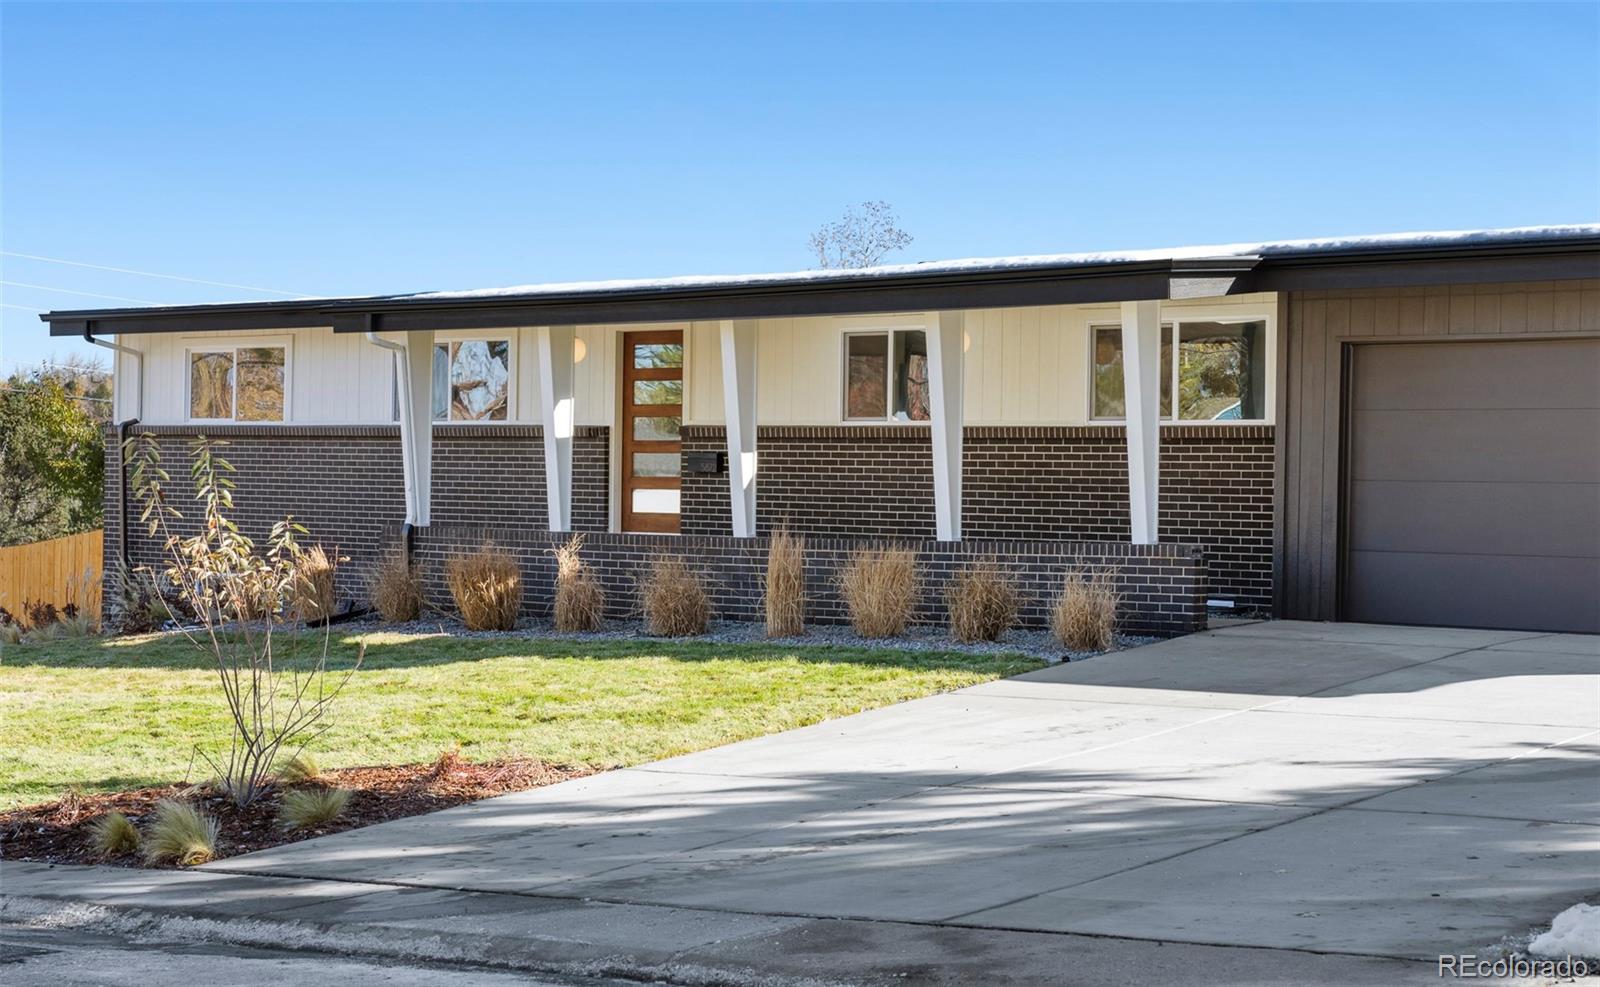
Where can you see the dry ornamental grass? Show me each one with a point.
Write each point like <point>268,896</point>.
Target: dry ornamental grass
<point>1084,616</point>
<point>394,588</point>
<point>880,586</point>
<point>673,599</point>
<point>786,584</point>
<point>181,834</point>
<point>982,600</point>
<point>487,588</point>
<point>313,584</point>
<point>306,808</point>
<point>580,599</point>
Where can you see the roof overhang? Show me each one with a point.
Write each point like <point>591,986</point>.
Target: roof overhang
<point>850,293</point>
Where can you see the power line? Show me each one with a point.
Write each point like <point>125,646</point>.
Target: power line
<point>70,397</point>
<point>86,294</point>
<point>21,308</point>
<point>152,274</point>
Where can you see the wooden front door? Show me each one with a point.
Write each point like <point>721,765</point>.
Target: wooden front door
<point>652,415</point>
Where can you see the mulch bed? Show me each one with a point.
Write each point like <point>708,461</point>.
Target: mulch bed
<point>58,832</point>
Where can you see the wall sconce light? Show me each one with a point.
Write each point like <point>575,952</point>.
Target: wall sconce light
<point>579,350</point>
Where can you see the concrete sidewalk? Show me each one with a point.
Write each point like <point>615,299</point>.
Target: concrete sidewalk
<point>1317,788</point>
<point>419,932</point>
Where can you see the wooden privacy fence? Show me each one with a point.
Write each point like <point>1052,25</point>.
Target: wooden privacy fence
<point>60,571</point>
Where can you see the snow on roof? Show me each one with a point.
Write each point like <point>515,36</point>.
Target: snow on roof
<point>1280,248</point>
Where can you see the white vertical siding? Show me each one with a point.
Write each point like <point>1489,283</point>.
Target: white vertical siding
<point>1022,366</point>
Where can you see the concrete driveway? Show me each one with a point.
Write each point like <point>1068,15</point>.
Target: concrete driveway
<point>1386,791</point>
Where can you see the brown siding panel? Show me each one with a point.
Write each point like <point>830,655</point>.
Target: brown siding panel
<point>1317,336</point>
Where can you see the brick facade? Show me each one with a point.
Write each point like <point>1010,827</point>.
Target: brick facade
<point>345,483</point>
<point>1163,586</point>
<point>1026,483</point>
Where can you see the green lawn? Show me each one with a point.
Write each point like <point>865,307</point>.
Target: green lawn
<point>104,714</point>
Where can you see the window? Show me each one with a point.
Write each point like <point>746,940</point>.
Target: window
<point>886,376</point>
<point>237,383</point>
<point>1108,381</point>
<point>1220,373</point>
<point>472,381</point>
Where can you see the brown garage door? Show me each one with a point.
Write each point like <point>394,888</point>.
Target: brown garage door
<point>1474,484</point>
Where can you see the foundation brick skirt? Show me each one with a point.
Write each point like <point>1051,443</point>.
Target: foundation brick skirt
<point>1024,483</point>
<point>1163,586</point>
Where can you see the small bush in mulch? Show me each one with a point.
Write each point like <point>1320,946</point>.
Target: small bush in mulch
<point>67,830</point>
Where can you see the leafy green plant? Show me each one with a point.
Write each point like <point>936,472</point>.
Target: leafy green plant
<point>278,687</point>
<point>308,807</point>
<point>180,834</point>
<point>113,834</point>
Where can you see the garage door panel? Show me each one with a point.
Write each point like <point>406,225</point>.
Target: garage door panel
<point>1546,445</point>
<point>1554,594</point>
<point>1553,374</point>
<point>1491,518</point>
<point>1473,484</point>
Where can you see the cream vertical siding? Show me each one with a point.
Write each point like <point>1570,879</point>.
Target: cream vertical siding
<point>1022,366</point>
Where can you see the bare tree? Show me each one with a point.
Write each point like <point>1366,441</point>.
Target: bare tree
<point>861,239</point>
<point>278,687</point>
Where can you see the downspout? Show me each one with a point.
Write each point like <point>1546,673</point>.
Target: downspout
<point>122,439</point>
<point>407,458</point>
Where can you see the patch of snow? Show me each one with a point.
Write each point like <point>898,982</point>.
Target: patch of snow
<point>1027,261</point>
<point>1575,932</point>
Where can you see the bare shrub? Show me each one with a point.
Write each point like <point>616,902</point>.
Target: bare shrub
<point>786,584</point>
<point>1084,616</point>
<point>673,599</point>
<point>580,599</point>
<point>277,687</point>
<point>113,835</point>
<point>181,834</point>
<point>982,600</point>
<point>302,768</point>
<point>394,587</point>
<point>313,584</point>
<point>487,587</point>
<point>308,807</point>
<point>879,586</point>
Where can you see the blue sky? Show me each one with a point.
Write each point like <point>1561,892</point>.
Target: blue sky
<point>370,148</point>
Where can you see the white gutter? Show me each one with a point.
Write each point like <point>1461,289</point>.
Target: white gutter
<point>407,446</point>
<point>138,376</point>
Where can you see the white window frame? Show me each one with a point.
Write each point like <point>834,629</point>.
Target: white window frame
<point>511,338</point>
<point>888,376</point>
<point>1176,322</point>
<point>233,346</point>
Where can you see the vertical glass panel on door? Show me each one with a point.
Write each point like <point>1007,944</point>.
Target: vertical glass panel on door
<point>655,502</point>
<point>656,464</point>
<point>866,376</point>
<point>260,377</point>
<point>1222,371</point>
<point>657,356</point>
<point>650,392</point>
<point>661,428</point>
<point>211,385</point>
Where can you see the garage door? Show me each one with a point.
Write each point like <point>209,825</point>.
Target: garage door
<point>1474,484</point>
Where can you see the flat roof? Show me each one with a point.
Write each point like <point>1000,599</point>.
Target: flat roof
<point>1571,250</point>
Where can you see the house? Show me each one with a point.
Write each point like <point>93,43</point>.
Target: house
<point>1400,428</point>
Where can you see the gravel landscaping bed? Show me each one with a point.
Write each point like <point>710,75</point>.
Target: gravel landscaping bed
<point>1032,643</point>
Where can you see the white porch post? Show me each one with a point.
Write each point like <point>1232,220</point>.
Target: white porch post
<point>946,341</point>
<point>1141,388</point>
<point>739,411</point>
<point>557,413</point>
<point>415,373</point>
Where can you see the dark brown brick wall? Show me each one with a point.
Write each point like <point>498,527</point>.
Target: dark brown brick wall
<point>1163,586</point>
<point>1029,483</point>
<point>344,483</point>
